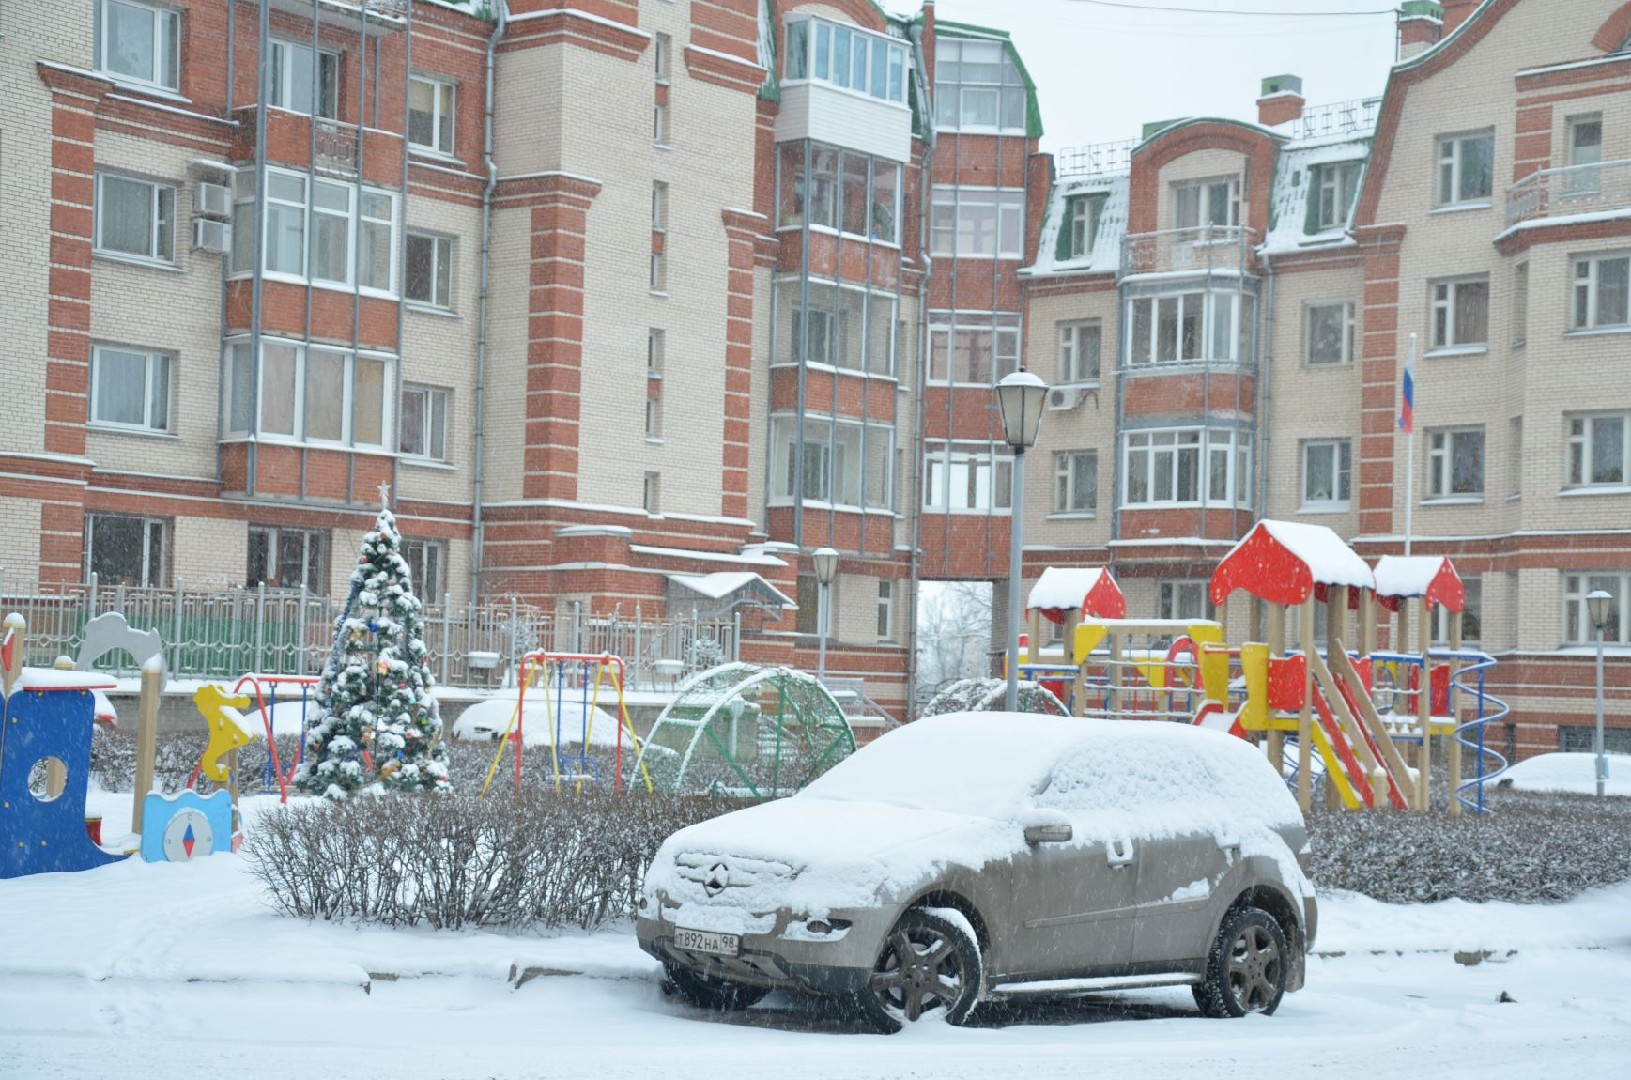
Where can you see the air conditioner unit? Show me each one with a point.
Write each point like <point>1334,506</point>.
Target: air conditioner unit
<point>212,200</point>
<point>1061,398</point>
<point>213,236</point>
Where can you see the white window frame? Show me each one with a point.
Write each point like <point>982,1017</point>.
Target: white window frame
<point>1442,451</point>
<point>1076,366</point>
<point>837,456</point>
<point>659,206</point>
<point>314,557</point>
<point>981,473</point>
<point>651,492</point>
<point>1201,194</point>
<point>1340,478</point>
<point>434,408</point>
<point>1472,610</point>
<point>882,75</point>
<point>1086,212</point>
<point>1178,600</point>
<point>280,78</point>
<point>659,123</point>
<point>441,270</point>
<point>886,609</point>
<point>1068,467</point>
<point>1588,315</point>
<point>306,211</point>
<point>421,556</point>
<point>1337,184</point>
<point>961,218</point>
<point>1577,627</point>
<point>1444,329</point>
<point>443,115</point>
<point>231,392</point>
<point>166,44</point>
<point>1310,313</point>
<point>957,100</point>
<point>156,532</point>
<point>662,52</point>
<point>161,231</point>
<point>158,368</point>
<point>1582,178</point>
<point>1451,167</point>
<point>1581,435</point>
<point>1005,330</point>
<point>1240,310</point>
<point>1207,448</point>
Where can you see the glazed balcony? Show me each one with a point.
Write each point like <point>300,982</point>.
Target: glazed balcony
<point>1599,188</point>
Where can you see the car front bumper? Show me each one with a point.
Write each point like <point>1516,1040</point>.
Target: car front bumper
<point>784,957</point>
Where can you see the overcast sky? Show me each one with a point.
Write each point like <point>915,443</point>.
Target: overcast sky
<point>1103,72</point>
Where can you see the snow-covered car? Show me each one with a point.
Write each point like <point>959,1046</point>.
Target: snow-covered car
<point>976,857</point>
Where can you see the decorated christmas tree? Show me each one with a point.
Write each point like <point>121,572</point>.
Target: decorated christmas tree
<point>379,728</point>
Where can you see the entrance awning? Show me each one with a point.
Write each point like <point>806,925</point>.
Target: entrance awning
<point>716,594</point>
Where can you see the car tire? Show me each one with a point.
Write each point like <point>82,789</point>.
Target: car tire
<point>944,971</point>
<point>715,995</point>
<point>1247,966</point>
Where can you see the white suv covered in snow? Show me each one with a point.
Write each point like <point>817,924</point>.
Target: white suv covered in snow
<point>981,856</point>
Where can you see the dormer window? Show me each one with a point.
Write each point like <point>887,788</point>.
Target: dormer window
<point>1335,186</point>
<point>1085,212</point>
<point>1214,201</point>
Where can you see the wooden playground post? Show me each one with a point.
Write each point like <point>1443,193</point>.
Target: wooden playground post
<point>147,742</point>
<point>1276,742</point>
<point>1305,718</point>
<point>1424,700</point>
<point>1367,623</point>
<point>1078,681</point>
<point>1113,644</point>
<point>1336,629</point>
<point>1033,640</point>
<point>1456,705</point>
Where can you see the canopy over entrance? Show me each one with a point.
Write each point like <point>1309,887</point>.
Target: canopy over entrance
<point>723,592</point>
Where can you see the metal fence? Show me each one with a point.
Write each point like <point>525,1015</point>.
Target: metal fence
<point>1598,188</point>
<point>223,633</point>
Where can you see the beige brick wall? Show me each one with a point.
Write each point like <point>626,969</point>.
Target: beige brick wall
<point>19,543</point>
<point>209,553</point>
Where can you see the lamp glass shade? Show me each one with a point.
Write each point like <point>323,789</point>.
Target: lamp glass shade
<point>1021,396</point>
<point>825,561</point>
<point>1599,605</point>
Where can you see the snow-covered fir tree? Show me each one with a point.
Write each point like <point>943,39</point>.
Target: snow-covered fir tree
<point>379,728</point>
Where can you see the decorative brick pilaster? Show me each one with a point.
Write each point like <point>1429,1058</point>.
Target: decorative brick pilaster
<point>1379,376</point>
<point>68,311</point>
<point>742,230</point>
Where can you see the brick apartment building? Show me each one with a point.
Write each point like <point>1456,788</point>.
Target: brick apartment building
<point>512,260</point>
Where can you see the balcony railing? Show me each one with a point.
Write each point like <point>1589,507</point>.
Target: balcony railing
<point>336,146</point>
<point>1208,249</point>
<point>1110,157</point>
<point>1575,189</point>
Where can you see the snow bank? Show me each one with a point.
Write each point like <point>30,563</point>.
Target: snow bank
<point>1571,773</point>
<point>489,719</point>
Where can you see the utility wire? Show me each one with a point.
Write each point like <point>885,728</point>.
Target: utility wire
<point>1235,11</point>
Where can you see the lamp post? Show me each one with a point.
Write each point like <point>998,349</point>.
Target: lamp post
<point>825,560</point>
<point>1599,605</point>
<point>1020,397</point>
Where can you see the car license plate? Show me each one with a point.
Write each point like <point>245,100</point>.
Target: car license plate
<point>703,941</point>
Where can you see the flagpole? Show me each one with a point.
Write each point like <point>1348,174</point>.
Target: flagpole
<point>1409,443</point>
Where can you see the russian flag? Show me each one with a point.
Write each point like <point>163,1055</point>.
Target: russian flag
<point>1407,418</point>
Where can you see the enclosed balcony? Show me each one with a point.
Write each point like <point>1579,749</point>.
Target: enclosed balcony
<point>1205,249</point>
<point>1597,188</point>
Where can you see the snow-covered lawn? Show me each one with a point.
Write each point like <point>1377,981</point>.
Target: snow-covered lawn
<point>139,971</point>
<point>1571,773</point>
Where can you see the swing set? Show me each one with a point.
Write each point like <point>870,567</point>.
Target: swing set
<point>552,674</point>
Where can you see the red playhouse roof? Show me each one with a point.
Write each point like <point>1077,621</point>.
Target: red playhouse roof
<point>1088,589</point>
<point>1399,577</point>
<point>1284,561</point>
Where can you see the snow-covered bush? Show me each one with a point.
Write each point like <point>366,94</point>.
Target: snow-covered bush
<point>989,695</point>
<point>538,861</point>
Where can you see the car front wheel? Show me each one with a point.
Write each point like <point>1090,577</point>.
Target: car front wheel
<point>716,995</point>
<point>927,962</point>
<point>1246,969</point>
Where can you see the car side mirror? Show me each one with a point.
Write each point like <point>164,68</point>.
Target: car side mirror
<point>1046,827</point>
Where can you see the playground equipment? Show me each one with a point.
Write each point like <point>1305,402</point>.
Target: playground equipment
<point>747,731</point>
<point>548,675</point>
<point>187,826</point>
<point>1063,596</point>
<point>230,729</point>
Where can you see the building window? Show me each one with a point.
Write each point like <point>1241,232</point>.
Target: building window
<point>139,42</point>
<point>654,409</point>
<point>1520,304</point>
<point>308,394</point>
<point>854,193</point>
<point>809,618</point>
<point>1602,292</point>
<point>1334,189</point>
<point>964,477</point>
<point>1330,333</point>
<point>1461,313</point>
<point>130,388</point>
<point>1079,351</point>
<point>1466,168</point>
<point>1184,600</point>
<point>318,231</point>
<point>425,559</point>
<point>651,493</point>
<point>886,609</point>
<point>662,49</point>
<point>1577,627</point>
<point>816,322</point>
<point>1085,213</point>
<point>303,82</point>
<point>1472,622</point>
<point>428,276</point>
<point>1582,739</point>
<point>1327,474</point>
<point>656,350</point>
<point>136,218</point>
<point>659,206</point>
<point>1514,464</point>
<point>974,352</point>
<point>430,114</point>
<point>659,123</point>
<point>659,268</point>
<point>288,558</point>
<point>122,550</point>
<point>1599,450</point>
<point>1075,482</point>
<point>1585,153</point>
<point>846,57</point>
<point>1179,328</point>
<point>845,463</point>
<point>1210,202</point>
<point>1164,468</point>
<point>977,222</point>
<point>422,428</point>
<point>977,87</point>
<point>1455,462</point>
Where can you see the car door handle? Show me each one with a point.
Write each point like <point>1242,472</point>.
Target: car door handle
<point>1119,853</point>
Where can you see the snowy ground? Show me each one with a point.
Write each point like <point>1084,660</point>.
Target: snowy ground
<point>141,971</point>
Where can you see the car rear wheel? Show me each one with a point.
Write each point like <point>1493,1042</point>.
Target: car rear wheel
<point>1246,969</point>
<point>927,962</point>
<point>707,992</point>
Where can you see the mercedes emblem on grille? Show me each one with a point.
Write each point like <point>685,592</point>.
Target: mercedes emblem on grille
<point>718,877</point>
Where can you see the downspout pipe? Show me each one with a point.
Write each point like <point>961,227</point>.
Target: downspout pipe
<point>915,495</point>
<point>479,471</point>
